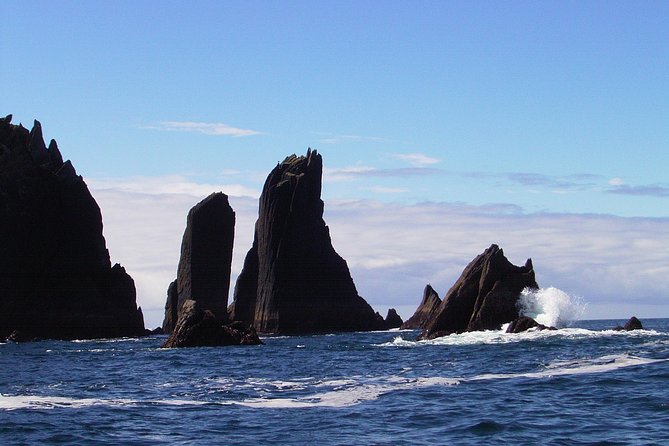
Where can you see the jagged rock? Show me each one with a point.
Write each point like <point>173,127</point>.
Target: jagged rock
<point>206,257</point>
<point>632,324</point>
<point>524,323</point>
<point>484,297</point>
<point>198,327</point>
<point>392,320</point>
<point>56,278</point>
<point>425,311</point>
<point>293,281</point>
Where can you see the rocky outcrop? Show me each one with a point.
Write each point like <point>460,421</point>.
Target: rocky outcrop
<point>198,327</point>
<point>484,297</point>
<point>392,320</point>
<point>56,278</point>
<point>426,311</point>
<point>524,323</point>
<point>206,258</point>
<point>632,324</point>
<point>293,281</point>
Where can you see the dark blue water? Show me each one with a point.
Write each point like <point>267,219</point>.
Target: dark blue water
<point>574,386</point>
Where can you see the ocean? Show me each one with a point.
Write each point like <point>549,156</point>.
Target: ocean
<point>582,385</point>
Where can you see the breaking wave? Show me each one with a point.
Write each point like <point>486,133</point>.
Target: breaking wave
<point>551,306</point>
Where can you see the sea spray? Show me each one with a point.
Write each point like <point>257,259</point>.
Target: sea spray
<point>551,306</point>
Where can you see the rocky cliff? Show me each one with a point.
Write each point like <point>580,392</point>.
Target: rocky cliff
<point>56,278</point>
<point>206,257</point>
<point>484,297</point>
<point>293,281</point>
<point>425,311</point>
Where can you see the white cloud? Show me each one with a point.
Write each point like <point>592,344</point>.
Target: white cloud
<point>207,128</point>
<point>393,250</point>
<point>170,184</point>
<point>616,181</point>
<point>417,159</point>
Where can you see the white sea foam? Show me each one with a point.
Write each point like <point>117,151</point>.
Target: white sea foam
<point>336,392</point>
<point>551,306</point>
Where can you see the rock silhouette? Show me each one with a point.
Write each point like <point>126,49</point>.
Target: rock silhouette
<point>425,311</point>
<point>56,278</point>
<point>484,297</point>
<point>293,281</point>
<point>524,323</point>
<point>206,258</point>
<point>632,324</point>
<point>198,327</point>
<point>392,320</point>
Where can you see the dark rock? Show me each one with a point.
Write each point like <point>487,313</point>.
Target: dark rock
<point>198,327</point>
<point>484,297</point>
<point>392,320</point>
<point>19,336</point>
<point>206,257</point>
<point>293,281</point>
<point>426,310</point>
<point>155,331</point>
<point>56,278</point>
<point>524,323</point>
<point>632,324</point>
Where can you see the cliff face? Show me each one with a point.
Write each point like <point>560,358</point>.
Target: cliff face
<point>426,310</point>
<point>293,281</point>
<point>56,278</point>
<point>484,297</point>
<point>206,258</point>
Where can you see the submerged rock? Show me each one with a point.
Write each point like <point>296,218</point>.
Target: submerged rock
<point>425,311</point>
<point>293,281</point>
<point>198,327</point>
<point>484,297</point>
<point>206,258</point>
<point>56,278</point>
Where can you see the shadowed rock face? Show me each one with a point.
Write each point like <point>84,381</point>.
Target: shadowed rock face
<point>524,323</point>
<point>293,281</point>
<point>197,327</point>
<point>484,297</point>
<point>425,311</point>
<point>206,258</point>
<point>56,278</point>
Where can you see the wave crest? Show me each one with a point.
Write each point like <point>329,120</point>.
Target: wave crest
<point>551,306</point>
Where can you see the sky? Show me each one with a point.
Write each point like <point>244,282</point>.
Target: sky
<point>444,127</point>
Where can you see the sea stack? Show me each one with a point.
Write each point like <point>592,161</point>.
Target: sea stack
<point>206,258</point>
<point>484,297</point>
<point>425,311</point>
<point>56,278</point>
<point>293,281</point>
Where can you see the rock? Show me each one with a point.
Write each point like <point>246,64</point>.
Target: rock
<point>524,323</point>
<point>154,332</point>
<point>206,258</point>
<point>198,327</point>
<point>56,278</point>
<point>293,281</point>
<point>484,297</point>
<point>392,320</point>
<point>425,311</point>
<point>19,336</point>
<point>632,324</point>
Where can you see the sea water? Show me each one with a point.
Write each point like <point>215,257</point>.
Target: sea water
<point>585,384</point>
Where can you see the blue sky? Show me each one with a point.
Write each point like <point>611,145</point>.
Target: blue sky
<point>517,110</point>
